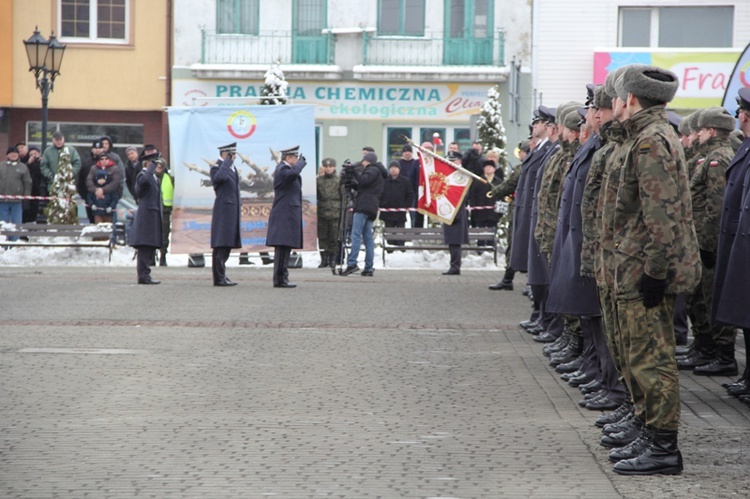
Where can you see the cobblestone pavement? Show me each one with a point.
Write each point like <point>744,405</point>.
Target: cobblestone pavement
<point>408,384</point>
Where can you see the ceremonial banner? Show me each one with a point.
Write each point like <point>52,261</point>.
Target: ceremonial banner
<point>260,132</point>
<point>442,187</point>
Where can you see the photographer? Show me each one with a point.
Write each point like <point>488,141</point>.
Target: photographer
<point>368,182</point>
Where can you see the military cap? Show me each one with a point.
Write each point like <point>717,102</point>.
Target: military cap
<point>230,148</point>
<point>329,162</point>
<point>292,151</point>
<point>547,114</point>
<point>650,82</point>
<point>571,120</point>
<point>674,120</point>
<point>743,98</point>
<point>609,82</point>
<point>602,100</point>
<point>535,117</point>
<point>716,117</point>
<point>589,95</point>
<point>524,145</point>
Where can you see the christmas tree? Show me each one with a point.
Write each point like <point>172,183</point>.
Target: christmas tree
<point>274,88</point>
<point>62,209</point>
<point>490,125</point>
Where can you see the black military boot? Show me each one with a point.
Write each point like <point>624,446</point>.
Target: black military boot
<point>559,344</point>
<point>614,416</point>
<point>703,353</point>
<point>617,427</point>
<point>634,448</point>
<point>163,259</point>
<point>323,260</point>
<point>573,349</point>
<point>627,435</point>
<point>723,365</point>
<point>662,457</point>
<point>506,283</point>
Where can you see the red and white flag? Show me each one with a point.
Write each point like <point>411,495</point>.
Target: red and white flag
<point>442,187</point>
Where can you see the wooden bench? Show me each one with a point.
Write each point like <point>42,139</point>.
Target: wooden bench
<point>61,236</point>
<point>431,239</point>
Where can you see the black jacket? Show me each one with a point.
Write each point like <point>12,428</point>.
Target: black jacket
<point>369,185</point>
<point>478,197</point>
<point>397,193</point>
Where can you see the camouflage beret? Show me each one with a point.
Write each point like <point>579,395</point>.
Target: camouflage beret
<point>716,117</point>
<point>601,99</point>
<point>650,82</point>
<point>609,82</point>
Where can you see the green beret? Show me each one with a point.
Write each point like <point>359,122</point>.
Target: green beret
<point>650,82</point>
<point>716,117</point>
<point>601,99</point>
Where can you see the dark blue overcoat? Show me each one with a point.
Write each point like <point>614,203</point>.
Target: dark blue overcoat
<point>732,281</point>
<point>538,264</point>
<point>285,221</point>
<point>225,219</point>
<point>569,292</point>
<point>458,231</point>
<point>146,230</point>
<point>519,248</point>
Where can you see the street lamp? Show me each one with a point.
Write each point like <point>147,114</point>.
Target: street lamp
<point>45,58</point>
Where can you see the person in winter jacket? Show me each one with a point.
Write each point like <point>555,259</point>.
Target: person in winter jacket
<point>14,181</point>
<point>103,185</point>
<point>397,193</point>
<point>368,182</point>
<point>328,185</point>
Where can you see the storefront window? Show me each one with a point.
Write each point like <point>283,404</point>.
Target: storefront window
<point>428,135</point>
<point>81,135</point>
<point>396,142</point>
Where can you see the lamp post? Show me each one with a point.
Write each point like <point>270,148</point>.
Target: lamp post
<point>45,59</point>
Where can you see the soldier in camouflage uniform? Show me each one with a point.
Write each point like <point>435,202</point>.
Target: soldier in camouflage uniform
<point>713,348</point>
<point>329,210</point>
<point>507,191</point>
<point>656,257</point>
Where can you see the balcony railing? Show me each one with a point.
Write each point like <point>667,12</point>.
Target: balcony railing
<point>267,47</point>
<point>433,49</point>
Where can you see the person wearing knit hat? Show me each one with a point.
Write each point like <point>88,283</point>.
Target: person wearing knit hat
<point>713,348</point>
<point>397,193</point>
<point>652,221</point>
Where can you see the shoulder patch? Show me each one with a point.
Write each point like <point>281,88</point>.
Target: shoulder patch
<point>701,160</point>
<point>713,164</point>
<point>644,148</point>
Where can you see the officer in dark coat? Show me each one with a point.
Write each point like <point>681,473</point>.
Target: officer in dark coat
<point>285,221</point>
<point>146,232</point>
<point>732,274</point>
<point>225,218</point>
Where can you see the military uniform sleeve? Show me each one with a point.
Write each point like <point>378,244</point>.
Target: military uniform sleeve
<point>715,184</point>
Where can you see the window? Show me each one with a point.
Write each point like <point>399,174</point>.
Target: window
<point>401,17</point>
<point>237,16</point>
<point>94,20</point>
<point>677,27</point>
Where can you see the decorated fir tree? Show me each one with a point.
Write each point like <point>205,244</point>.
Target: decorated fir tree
<point>490,125</point>
<point>62,209</point>
<point>274,88</point>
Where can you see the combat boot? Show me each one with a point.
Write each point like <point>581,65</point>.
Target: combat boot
<point>572,350</point>
<point>559,344</point>
<point>623,438</point>
<point>323,260</point>
<point>163,259</point>
<point>634,448</point>
<point>506,283</point>
<point>617,427</point>
<point>662,457</point>
<point>614,416</point>
<point>704,353</point>
<point>572,366</point>
<point>723,365</point>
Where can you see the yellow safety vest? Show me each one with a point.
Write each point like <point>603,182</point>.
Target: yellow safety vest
<point>167,190</point>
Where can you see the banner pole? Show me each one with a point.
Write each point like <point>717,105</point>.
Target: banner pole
<point>454,165</point>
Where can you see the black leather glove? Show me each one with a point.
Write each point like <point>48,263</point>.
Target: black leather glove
<point>653,290</point>
<point>708,258</point>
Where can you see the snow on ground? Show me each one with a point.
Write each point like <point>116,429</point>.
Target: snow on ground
<point>123,257</point>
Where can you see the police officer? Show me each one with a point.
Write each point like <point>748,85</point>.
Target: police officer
<point>285,220</point>
<point>656,258</point>
<point>146,234</point>
<point>226,215</point>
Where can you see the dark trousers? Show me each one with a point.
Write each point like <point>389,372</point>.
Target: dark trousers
<point>455,253</point>
<point>144,261</point>
<point>395,223</point>
<point>607,372</point>
<point>281,264</point>
<point>219,258</point>
<point>681,327</point>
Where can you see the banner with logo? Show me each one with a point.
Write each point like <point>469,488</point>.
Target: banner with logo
<point>196,133</point>
<point>442,187</point>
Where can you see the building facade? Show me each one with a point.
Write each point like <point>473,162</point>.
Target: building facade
<point>114,73</point>
<point>699,40</point>
<point>376,70</point>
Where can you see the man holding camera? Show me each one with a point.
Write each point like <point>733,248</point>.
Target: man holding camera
<point>368,182</point>
<point>285,220</point>
<point>146,234</point>
<point>225,218</point>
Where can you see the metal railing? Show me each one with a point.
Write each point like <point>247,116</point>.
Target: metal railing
<point>433,49</point>
<point>267,47</point>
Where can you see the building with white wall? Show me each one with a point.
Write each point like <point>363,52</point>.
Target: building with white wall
<point>374,69</point>
<point>576,42</point>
